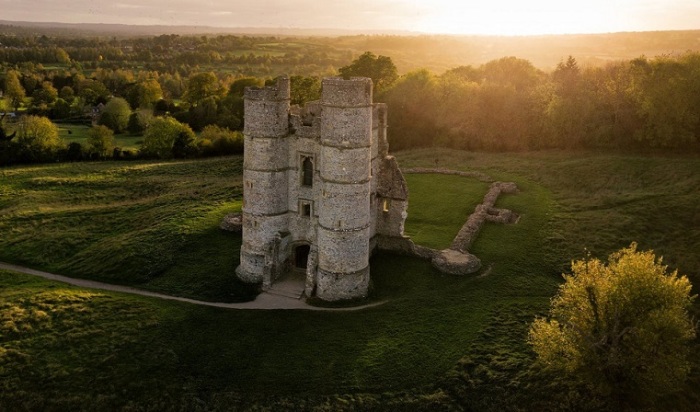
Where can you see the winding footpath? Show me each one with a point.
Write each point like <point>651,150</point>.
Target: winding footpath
<point>264,301</point>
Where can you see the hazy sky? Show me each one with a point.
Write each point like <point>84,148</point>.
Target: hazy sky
<point>434,16</point>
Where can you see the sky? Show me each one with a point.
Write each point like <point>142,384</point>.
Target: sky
<point>494,17</point>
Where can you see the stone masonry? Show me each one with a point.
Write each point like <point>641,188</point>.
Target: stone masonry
<point>320,190</point>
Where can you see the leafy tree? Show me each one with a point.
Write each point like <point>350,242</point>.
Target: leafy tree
<point>66,93</point>
<point>115,114</point>
<point>145,93</point>
<point>100,141</point>
<point>238,87</point>
<point>203,114</point>
<point>411,101</point>
<point>304,89</point>
<point>231,106</point>
<point>159,138</point>
<point>202,85</point>
<point>38,138</point>
<point>61,109</point>
<point>380,69</point>
<point>62,56</point>
<point>13,89</point>
<point>621,328</point>
<point>138,122</point>
<point>185,145</point>
<point>512,72</point>
<point>44,96</point>
<point>92,91</point>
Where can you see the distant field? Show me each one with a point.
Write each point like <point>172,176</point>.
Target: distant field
<point>439,342</point>
<point>79,133</point>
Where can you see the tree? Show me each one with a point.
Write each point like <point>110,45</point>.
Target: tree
<point>115,114</point>
<point>621,328</point>
<point>184,145</point>
<point>62,57</point>
<point>100,141</point>
<point>202,85</point>
<point>61,109</point>
<point>138,122</point>
<point>13,89</point>
<point>145,93</point>
<point>304,89</point>
<point>38,138</point>
<point>66,93</point>
<point>92,91</point>
<point>159,138</point>
<point>44,96</point>
<point>380,69</point>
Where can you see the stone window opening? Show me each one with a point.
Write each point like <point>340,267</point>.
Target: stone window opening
<point>385,205</point>
<point>307,171</point>
<point>305,208</point>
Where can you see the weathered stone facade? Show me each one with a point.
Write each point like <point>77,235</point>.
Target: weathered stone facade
<point>320,190</point>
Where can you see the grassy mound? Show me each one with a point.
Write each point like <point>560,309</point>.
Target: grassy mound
<point>154,225</point>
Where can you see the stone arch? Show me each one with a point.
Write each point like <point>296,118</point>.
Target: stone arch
<point>307,171</point>
<point>299,252</point>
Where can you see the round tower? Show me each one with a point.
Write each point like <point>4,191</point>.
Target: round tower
<point>344,202</point>
<point>265,190</point>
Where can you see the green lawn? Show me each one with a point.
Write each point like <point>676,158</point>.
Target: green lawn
<point>438,342</point>
<point>434,219</point>
<point>79,133</point>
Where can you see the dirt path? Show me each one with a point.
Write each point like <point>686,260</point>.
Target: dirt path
<point>263,301</point>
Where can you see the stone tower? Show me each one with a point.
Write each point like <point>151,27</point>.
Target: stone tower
<point>265,198</point>
<point>320,190</point>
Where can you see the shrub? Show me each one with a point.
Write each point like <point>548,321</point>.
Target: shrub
<point>621,328</point>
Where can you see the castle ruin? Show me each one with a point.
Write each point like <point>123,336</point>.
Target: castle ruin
<point>320,190</point>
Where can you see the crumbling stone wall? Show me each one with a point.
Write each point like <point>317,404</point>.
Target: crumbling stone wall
<point>456,259</point>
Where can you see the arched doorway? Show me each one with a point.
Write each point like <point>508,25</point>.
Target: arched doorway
<point>301,257</point>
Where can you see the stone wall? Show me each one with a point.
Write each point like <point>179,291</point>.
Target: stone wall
<point>456,259</point>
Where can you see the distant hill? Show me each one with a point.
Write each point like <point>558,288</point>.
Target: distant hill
<point>155,30</point>
<point>412,50</point>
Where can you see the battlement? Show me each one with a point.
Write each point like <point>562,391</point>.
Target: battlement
<point>355,92</point>
<point>280,91</point>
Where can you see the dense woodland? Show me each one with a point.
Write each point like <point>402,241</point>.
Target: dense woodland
<point>127,83</point>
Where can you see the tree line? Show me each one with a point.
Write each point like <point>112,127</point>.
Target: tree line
<point>508,104</point>
<point>505,104</point>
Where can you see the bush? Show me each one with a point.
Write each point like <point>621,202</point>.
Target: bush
<point>115,114</point>
<point>160,137</point>
<point>621,328</point>
<point>38,139</point>
<point>219,141</point>
<point>100,141</point>
<point>74,152</point>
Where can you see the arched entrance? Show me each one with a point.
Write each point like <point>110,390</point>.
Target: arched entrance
<point>301,257</point>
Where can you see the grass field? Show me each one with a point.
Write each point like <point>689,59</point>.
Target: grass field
<point>439,342</point>
<point>79,133</point>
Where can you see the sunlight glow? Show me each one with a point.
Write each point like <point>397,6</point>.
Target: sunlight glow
<point>495,17</point>
<point>515,17</point>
